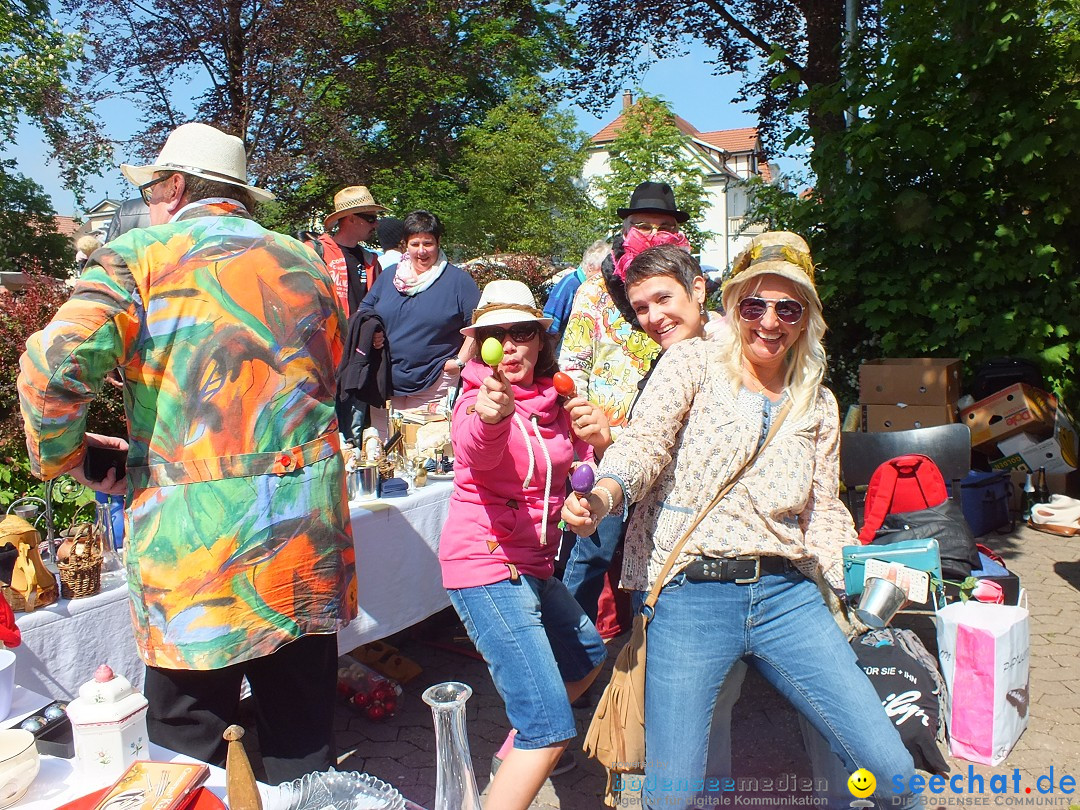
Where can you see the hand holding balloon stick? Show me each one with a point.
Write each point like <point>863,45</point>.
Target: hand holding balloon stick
<point>564,384</point>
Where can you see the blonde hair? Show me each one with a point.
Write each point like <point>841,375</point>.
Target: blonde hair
<point>805,362</point>
<point>87,244</point>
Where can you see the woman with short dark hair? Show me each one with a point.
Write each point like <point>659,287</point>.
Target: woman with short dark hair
<point>424,303</point>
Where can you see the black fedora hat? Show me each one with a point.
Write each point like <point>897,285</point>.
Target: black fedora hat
<point>655,197</point>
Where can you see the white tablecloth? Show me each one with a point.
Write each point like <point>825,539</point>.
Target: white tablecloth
<point>397,563</point>
<point>65,642</point>
<point>399,581</point>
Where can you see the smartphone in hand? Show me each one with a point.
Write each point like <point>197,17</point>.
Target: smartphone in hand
<point>99,460</point>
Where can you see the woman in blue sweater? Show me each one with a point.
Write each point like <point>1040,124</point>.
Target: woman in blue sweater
<point>424,301</point>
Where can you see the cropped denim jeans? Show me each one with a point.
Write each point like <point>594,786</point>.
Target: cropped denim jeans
<point>781,625</point>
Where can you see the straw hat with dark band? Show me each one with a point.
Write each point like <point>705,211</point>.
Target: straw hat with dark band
<point>352,200</point>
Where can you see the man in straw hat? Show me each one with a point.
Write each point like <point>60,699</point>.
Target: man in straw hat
<point>353,270</point>
<point>239,553</point>
<point>352,267</point>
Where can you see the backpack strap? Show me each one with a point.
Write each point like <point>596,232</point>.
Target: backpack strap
<point>878,500</point>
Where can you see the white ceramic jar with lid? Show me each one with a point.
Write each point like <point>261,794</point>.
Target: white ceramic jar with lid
<point>108,721</point>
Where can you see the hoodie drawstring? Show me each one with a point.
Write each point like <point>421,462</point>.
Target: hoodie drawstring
<point>532,468</point>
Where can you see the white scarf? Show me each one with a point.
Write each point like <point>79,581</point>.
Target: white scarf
<point>408,282</point>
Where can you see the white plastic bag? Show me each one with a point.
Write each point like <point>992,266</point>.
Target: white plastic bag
<point>984,649</point>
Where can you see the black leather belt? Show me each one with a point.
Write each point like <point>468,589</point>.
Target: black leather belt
<point>740,570</point>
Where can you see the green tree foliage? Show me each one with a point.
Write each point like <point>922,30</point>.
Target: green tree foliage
<point>520,173</point>
<point>650,146</point>
<point>325,94</point>
<point>773,206</point>
<point>35,60</point>
<point>28,237</point>
<point>35,55</point>
<point>783,48</point>
<point>947,222</point>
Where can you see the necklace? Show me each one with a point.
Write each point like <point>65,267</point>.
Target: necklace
<point>762,386</point>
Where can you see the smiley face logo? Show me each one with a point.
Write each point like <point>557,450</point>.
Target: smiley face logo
<point>861,783</point>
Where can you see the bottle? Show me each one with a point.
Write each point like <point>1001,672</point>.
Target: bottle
<point>372,447</point>
<point>1027,499</point>
<point>455,781</point>
<point>1042,491</point>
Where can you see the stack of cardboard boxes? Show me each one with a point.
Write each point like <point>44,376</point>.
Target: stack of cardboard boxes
<point>903,393</point>
<point>1020,429</point>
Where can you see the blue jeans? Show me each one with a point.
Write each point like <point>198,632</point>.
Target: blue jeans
<point>782,626</point>
<point>352,414</point>
<point>589,561</point>
<point>535,639</point>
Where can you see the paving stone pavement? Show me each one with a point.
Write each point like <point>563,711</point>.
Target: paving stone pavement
<point>766,738</point>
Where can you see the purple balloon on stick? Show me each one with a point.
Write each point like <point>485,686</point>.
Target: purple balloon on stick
<point>582,479</point>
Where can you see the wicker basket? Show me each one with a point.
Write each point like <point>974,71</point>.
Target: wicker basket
<point>80,573</point>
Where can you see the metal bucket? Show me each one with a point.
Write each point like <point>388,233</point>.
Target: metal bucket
<point>364,483</point>
<point>880,601</point>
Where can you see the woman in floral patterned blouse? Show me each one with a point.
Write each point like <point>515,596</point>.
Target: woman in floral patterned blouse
<point>743,586</point>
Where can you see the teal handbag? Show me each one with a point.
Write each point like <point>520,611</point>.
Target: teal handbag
<point>922,555</point>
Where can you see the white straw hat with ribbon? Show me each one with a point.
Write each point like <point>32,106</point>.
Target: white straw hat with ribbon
<point>203,151</point>
<point>503,302</point>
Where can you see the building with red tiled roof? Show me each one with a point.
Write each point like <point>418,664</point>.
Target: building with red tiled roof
<point>727,158</point>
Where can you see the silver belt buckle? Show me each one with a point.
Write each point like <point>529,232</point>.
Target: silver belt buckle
<point>757,569</point>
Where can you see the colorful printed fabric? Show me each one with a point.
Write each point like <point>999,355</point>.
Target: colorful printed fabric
<point>228,337</point>
<point>604,355</point>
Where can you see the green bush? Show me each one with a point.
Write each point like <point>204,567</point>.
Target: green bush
<point>22,314</point>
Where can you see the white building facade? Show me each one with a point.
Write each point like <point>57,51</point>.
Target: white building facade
<point>726,157</point>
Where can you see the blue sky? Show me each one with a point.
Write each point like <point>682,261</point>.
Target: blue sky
<point>685,82</point>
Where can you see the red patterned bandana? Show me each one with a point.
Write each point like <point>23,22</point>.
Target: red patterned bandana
<point>636,241</point>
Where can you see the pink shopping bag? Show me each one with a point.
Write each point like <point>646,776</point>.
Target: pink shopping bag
<point>983,649</point>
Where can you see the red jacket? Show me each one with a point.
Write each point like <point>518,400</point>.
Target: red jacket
<point>349,289</point>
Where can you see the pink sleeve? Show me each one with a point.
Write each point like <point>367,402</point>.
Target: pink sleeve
<point>477,444</point>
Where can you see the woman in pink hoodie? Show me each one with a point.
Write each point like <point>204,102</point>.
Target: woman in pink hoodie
<point>513,449</point>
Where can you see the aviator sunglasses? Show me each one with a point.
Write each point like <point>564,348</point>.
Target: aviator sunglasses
<point>753,308</point>
<point>519,332</point>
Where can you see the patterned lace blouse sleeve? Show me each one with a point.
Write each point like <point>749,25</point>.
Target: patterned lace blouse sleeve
<point>826,522</point>
<point>643,449</point>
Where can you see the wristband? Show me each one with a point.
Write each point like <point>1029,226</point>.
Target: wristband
<point>460,363</point>
<point>609,497</point>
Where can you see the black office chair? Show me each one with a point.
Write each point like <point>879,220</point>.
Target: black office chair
<point>949,446</point>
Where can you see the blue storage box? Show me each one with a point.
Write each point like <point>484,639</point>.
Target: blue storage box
<point>984,497</point>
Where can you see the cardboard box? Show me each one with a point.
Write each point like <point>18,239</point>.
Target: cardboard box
<point>884,418</point>
<point>1011,462</point>
<point>910,381</point>
<point>1017,443</point>
<point>1058,454</point>
<point>1016,409</point>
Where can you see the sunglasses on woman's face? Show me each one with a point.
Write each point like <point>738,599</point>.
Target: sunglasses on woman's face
<point>753,308</point>
<point>519,332</point>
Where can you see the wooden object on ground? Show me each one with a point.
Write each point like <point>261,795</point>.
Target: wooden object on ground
<point>240,788</point>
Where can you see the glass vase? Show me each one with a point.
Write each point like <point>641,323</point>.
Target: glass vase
<point>112,564</point>
<point>455,782</point>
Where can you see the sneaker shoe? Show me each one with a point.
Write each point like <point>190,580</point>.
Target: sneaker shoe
<point>566,762</point>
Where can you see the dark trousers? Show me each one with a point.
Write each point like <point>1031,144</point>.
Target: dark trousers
<point>293,691</point>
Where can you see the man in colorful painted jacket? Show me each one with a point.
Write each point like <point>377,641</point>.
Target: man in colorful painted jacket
<point>239,550</point>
